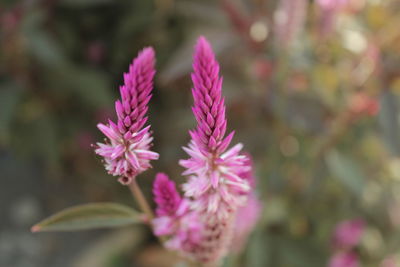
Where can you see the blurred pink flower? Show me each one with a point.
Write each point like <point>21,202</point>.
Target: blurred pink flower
<point>289,19</point>
<point>344,259</point>
<point>332,4</point>
<point>127,151</point>
<point>389,261</point>
<point>329,10</point>
<point>363,104</point>
<point>166,196</point>
<point>348,233</point>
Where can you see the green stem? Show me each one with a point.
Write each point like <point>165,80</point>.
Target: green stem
<point>141,200</point>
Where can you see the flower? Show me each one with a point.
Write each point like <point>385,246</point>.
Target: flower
<point>127,152</point>
<point>215,186</point>
<point>214,182</point>
<point>166,196</point>
<point>174,218</point>
<point>344,259</point>
<point>329,10</point>
<point>348,233</point>
<point>289,21</point>
<point>362,104</point>
<point>331,4</point>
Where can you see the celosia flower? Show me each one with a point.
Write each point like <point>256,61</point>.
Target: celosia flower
<point>214,173</point>
<point>390,261</point>
<point>348,233</point>
<point>344,259</point>
<point>174,218</point>
<point>166,196</point>
<point>331,4</point>
<point>289,19</point>
<point>127,151</point>
<point>363,104</point>
<point>215,185</point>
<point>329,10</point>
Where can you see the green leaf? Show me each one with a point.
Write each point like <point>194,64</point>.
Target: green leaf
<point>388,119</point>
<point>89,216</point>
<point>347,171</point>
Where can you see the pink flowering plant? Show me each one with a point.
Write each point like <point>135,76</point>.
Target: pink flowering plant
<point>217,206</point>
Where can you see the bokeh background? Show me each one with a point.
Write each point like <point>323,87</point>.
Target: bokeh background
<point>312,89</point>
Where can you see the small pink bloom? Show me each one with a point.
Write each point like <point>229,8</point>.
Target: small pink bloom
<point>332,4</point>
<point>174,218</point>
<point>289,20</point>
<point>127,152</point>
<point>390,261</point>
<point>363,104</point>
<point>348,233</point>
<point>344,259</point>
<point>165,195</point>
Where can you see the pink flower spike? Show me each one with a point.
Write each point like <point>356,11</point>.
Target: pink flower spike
<point>165,195</point>
<point>216,187</point>
<point>348,233</point>
<point>127,151</point>
<point>344,259</point>
<point>208,109</point>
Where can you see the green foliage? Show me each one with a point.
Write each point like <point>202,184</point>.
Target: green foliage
<point>89,216</point>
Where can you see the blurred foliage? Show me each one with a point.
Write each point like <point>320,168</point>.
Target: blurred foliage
<point>317,107</point>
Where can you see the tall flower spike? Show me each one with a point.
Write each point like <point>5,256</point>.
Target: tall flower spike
<point>214,173</point>
<point>215,186</point>
<point>209,107</point>
<point>127,151</point>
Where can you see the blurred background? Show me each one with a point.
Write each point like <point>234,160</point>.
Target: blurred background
<point>312,89</point>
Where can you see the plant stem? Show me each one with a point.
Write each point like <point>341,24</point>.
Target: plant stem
<point>141,200</point>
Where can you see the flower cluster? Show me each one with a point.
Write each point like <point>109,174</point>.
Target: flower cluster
<point>127,151</point>
<point>200,223</point>
<point>347,235</point>
<point>218,178</point>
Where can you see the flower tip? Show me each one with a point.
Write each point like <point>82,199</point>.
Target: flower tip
<point>202,43</point>
<point>148,51</point>
<point>161,177</point>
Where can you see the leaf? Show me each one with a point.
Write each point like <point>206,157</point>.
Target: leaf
<point>89,216</point>
<point>346,170</point>
<point>388,119</point>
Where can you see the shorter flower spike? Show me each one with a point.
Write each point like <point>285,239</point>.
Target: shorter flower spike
<point>344,259</point>
<point>173,216</point>
<point>348,233</point>
<point>127,151</point>
<point>166,196</point>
